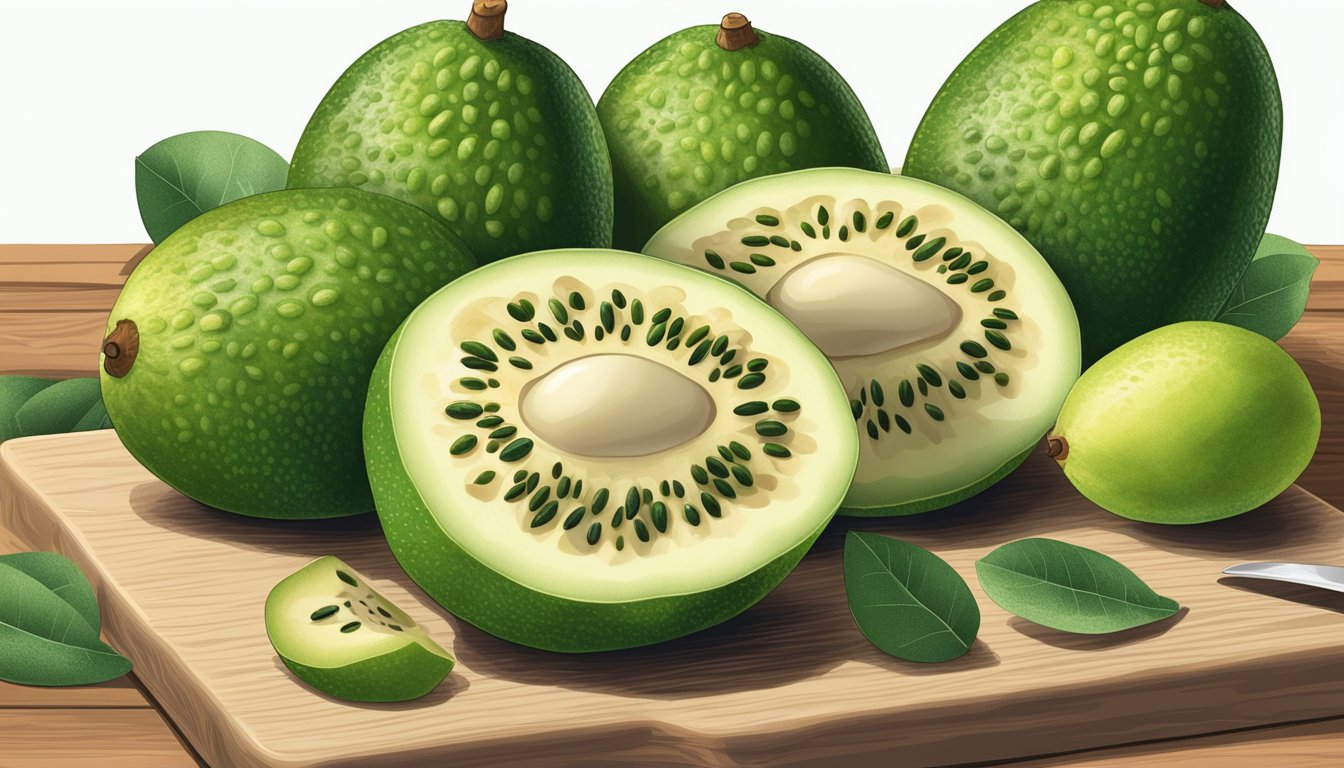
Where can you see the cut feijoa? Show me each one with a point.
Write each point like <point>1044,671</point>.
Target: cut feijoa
<point>341,636</point>
<point>955,342</point>
<point>586,450</point>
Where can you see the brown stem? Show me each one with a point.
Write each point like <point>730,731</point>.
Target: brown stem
<point>735,32</point>
<point>120,348</point>
<point>1058,447</point>
<point>486,21</point>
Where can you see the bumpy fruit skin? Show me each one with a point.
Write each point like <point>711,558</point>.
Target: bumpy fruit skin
<point>260,322</point>
<point>686,119</point>
<point>498,139</point>
<point>1135,143</point>
<point>1190,423</point>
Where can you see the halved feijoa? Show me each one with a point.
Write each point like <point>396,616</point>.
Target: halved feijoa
<point>584,450</point>
<point>954,340</point>
<point>338,634</point>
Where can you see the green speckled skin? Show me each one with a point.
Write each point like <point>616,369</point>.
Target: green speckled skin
<point>401,675</point>
<point>1135,143</point>
<point>497,138</point>
<point>259,324</point>
<point>686,119</point>
<point>1190,423</point>
<point>474,591</point>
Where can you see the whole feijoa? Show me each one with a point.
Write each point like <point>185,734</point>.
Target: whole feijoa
<point>1193,422</point>
<point>1135,143</point>
<point>486,130</point>
<point>710,106</point>
<point>238,354</point>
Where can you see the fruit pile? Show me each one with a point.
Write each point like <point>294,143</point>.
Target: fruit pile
<point>582,449</point>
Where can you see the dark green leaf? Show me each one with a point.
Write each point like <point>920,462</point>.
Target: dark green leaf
<point>907,601</point>
<point>1069,588</point>
<point>95,418</point>
<point>1272,293</point>
<point>14,392</point>
<point>186,175</point>
<point>57,408</point>
<point>62,577</point>
<point>44,640</point>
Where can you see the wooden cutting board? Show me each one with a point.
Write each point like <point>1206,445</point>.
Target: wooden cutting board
<point>790,682</point>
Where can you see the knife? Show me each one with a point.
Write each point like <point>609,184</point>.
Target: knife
<point>1324,576</point>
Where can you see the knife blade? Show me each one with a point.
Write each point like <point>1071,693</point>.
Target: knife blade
<point>1323,576</point>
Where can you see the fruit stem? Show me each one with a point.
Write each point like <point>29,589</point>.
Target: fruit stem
<point>1058,447</point>
<point>735,32</point>
<point>120,348</point>
<point>486,21</point>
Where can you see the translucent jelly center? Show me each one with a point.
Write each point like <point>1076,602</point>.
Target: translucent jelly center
<point>852,305</point>
<point>616,406</point>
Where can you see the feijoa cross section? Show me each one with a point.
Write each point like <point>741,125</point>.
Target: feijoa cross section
<point>584,450</point>
<point>484,129</point>
<point>954,340</point>
<point>343,637</point>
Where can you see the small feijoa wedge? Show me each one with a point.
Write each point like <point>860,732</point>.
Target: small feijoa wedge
<point>341,636</point>
<point>584,450</point>
<point>954,340</point>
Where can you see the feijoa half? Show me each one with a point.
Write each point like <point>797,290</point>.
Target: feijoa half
<point>341,636</point>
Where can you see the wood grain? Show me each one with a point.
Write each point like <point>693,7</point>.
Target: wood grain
<point>61,738</point>
<point>790,682</point>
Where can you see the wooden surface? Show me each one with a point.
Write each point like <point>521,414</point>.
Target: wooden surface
<point>61,715</point>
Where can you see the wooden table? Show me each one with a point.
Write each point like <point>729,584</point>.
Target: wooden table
<point>53,300</point>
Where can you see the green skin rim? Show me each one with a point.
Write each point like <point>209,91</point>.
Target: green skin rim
<point>473,591</point>
<point>401,675</point>
<point>920,506</point>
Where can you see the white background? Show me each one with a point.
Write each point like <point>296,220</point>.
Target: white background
<point>85,85</point>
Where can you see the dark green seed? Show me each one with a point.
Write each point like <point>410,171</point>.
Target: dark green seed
<point>546,514</point>
<point>743,475</point>
<point>517,450</point>
<point>1001,379</point>
<point>620,543</point>
<point>557,469</point>
<point>578,489</point>
<point>761,260</point>
<point>658,516</point>
<point>985,367</point>
<point>779,240</point>
<point>973,349</point>
<point>914,242</point>
<point>547,331</point>
<point>490,421</point>
<point>478,349</point>
<point>714,375</point>
<point>637,312</point>
<point>755,241</point>
<point>522,311</point>
<point>494,383</point>
<point>957,390</point>
<point>710,504</point>
<point>678,489</point>
<point>618,298</point>
<point>732,372</point>
<point>600,501</point>
<point>492,446</point>
<point>720,345</point>
<point>883,421</point>
<point>863,396</point>
<point>516,492</point>
<point>860,222</point>
<point>462,445</point>
<point>739,450</point>
<point>808,230</point>
<point>532,336</point>
<point>463,409</point>
<point>599,333</point>
<point>952,253</point>
<point>558,311</point>
<point>751,381</point>
<point>641,530</point>
<point>625,333</point>
<point>872,429</point>
<point>504,340</point>
<point>767,220</point>
<point>562,487</point>
<point>998,340</point>
<point>1005,314</point>
<point>752,408</point>
<point>770,428</point>
<point>576,301</point>
<point>655,334</point>
<point>929,375</point>
<point>673,344</point>
<point>618,517</point>
<point>727,357</point>
<point>934,411</point>
<point>823,215</point>
<point>694,337</point>
<point>844,232</point>
<point>665,488</point>
<point>994,323</point>
<point>743,267</point>
<point>477,364</point>
<point>699,474</point>
<point>470,383</point>
<point>575,331</point>
<point>608,316</point>
<point>998,296</point>
<point>691,514</point>
<point>325,612</point>
<point>543,493</point>
<point>486,477</point>
<point>826,233</point>
<point>632,500</point>
<point>794,245</point>
<point>967,372</point>
<point>907,226</point>
<point>718,468</point>
<point>699,354</point>
<point>856,408</point>
<point>879,397</point>
<point>930,249</point>
<point>776,450</point>
<point>492,407</point>
<point>978,267</point>
<point>351,627</point>
<point>674,328</point>
<point>520,362</point>
<point>532,481</point>
<point>757,364</point>
<point>661,316</point>
<point>594,533</point>
<point>726,454</point>
<point>957,278</point>
<point>982,285</point>
<point>902,423</point>
<point>907,393</point>
<point>725,490</point>
<point>573,519</point>
<point>961,262</point>
<point>785,405</point>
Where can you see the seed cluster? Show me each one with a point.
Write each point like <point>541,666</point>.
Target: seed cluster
<point>374,612</point>
<point>558,495</point>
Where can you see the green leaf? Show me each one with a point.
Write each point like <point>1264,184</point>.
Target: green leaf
<point>1069,588</point>
<point>95,418</point>
<point>58,408</point>
<point>62,577</point>
<point>1272,293</point>
<point>907,601</point>
<point>44,640</point>
<point>186,175</point>
<point>14,392</point>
